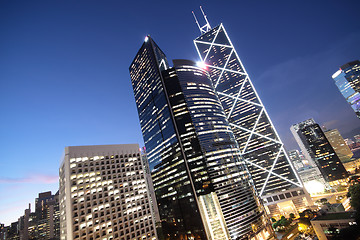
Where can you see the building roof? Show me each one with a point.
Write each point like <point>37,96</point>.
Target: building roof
<point>335,216</point>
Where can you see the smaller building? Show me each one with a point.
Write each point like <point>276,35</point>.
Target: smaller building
<point>353,166</point>
<point>317,147</point>
<point>313,181</point>
<point>349,141</point>
<point>42,224</point>
<point>337,220</point>
<point>295,158</point>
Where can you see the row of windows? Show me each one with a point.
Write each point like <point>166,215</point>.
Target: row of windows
<point>125,235</point>
<point>286,195</point>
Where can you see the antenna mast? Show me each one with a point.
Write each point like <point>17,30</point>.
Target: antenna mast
<point>206,27</point>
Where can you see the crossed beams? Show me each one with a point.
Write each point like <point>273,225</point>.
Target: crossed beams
<point>237,98</point>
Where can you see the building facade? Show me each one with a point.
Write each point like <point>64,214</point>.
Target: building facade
<point>42,224</point>
<point>347,79</point>
<point>311,177</point>
<point>201,184</point>
<point>313,141</point>
<point>338,143</point>
<point>103,194</point>
<point>45,222</point>
<point>332,221</point>
<point>295,157</point>
<point>261,147</point>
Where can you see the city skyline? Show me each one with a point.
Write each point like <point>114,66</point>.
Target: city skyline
<point>64,78</point>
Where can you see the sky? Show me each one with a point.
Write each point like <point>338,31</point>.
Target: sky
<point>64,78</point>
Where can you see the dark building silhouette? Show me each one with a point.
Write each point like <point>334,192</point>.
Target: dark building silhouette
<point>310,135</point>
<point>201,183</point>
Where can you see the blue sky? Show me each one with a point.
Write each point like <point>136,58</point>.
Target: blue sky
<point>64,77</point>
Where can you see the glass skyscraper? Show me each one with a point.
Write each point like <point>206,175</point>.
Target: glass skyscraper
<point>347,79</point>
<point>201,183</point>
<point>258,141</point>
<point>313,141</point>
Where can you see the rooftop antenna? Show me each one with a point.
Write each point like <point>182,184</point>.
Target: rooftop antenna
<point>206,27</point>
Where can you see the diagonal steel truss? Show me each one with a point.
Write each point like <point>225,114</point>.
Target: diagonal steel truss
<point>237,99</point>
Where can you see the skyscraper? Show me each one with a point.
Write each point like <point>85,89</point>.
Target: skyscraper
<point>347,79</point>
<point>43,224</point>
<point>103,194</point>
<point>338,143</point>
<point>201,184</point>
<point>313,141</point>
<point>258,141</point>
<point>47,216</point>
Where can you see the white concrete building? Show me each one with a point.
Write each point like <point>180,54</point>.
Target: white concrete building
<point>103,194</point>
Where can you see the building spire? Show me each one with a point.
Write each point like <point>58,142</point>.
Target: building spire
<point>206,27</point>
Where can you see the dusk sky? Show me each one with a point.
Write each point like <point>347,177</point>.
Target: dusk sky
<point>64,78</point>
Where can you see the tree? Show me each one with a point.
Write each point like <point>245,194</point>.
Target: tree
<point>292,215</point>
<point>284,222</point>
<point>273,220</point>
<point>353,232</point>
<point>275,225</point>
<point>354,193</point>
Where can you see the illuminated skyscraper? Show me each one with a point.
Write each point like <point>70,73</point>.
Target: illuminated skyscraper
<point>258,141</point>
<point>312,140</point>
<point>347,79</point>
<point>103,194</point>
<point>338,143</point>
<point>202,186</point>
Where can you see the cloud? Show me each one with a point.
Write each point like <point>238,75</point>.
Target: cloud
<point>40,178</point>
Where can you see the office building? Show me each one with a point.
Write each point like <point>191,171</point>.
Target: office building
<point>311,177</point>
<point>42,224</point>
<point>338,144</point>
<point>347,79</point>
<point>103,194</point>
<point>313,141</point>
<point>338,220</point>
<point>259,144</point>
<point>202,186</point>
<point>294,156</point>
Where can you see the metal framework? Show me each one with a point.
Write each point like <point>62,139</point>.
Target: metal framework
<point>209,47</point>
<point>206,27</point>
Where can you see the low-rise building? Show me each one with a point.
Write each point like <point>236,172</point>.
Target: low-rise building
<point>335,220</point>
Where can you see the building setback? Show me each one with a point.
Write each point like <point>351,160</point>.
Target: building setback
<point>201,184</point>
<point>274,177</point>
<point>347,79</point>
<point>103,194</point>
